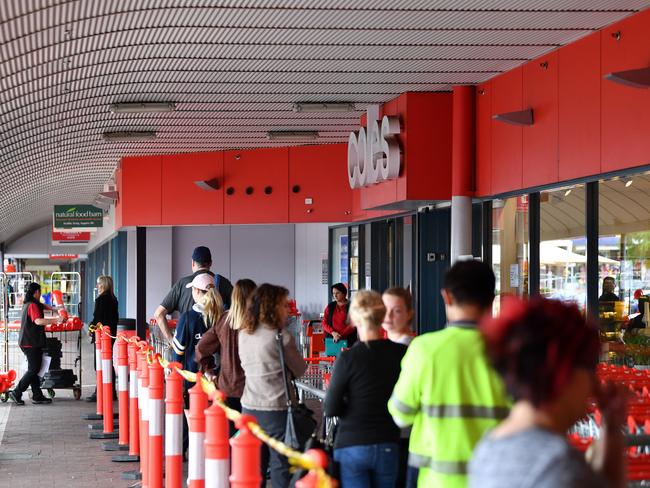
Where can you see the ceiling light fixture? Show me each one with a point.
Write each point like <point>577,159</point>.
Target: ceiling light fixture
<point>292,135</point>
<point>567,193</point>
<point>142,107</point>
<point>628,183</point>
<point>121,136</point>
<point>323,107</point>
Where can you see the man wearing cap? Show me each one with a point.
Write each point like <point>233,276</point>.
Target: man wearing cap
<point>179,298</point>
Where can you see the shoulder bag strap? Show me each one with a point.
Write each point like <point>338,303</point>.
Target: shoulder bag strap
<point>285,380</point>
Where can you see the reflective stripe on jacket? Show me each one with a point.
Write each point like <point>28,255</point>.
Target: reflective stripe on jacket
<point>450,396</point>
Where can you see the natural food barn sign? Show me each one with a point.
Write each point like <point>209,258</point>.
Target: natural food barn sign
<point>374,156</point>
<point>77,216</point>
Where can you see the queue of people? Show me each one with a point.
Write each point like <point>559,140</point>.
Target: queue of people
<point>484,402</point>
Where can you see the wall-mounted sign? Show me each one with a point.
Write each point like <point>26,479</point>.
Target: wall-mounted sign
<point>71,237</point>
<point>64,256</point>
<point>77,216</point>
<point>374,156</point>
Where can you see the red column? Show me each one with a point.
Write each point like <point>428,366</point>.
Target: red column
<point>107,379</point>
<point>216,446</point>
<point>462,171</point>
<point>156,388</point>
<point>174,428</point>
<point>246,456</point>
<point>196,420</point>
<point>143,404</point>
<point>98,368</point>
<point>123,388</point>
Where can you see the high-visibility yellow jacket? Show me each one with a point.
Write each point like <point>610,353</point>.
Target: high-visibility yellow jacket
<point>450,396</point>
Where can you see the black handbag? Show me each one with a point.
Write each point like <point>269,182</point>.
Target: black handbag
<point>300,418</point>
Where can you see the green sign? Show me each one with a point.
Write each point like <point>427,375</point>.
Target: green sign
<point>75,216</point>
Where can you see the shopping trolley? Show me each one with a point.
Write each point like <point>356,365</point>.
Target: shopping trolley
<point>157,340</point>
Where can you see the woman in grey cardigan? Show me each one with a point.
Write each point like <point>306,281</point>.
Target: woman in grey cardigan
<point>264,394</point>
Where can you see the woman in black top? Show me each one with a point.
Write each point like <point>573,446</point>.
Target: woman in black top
<point>366,444</point>
<point>105,313</point>
<point>32,342</point>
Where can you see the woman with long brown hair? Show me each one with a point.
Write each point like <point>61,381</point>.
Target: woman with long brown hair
<point>264,392</point>
<point>223,339</point>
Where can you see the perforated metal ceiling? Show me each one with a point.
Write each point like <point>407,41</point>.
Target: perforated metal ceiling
<point>233,68</point>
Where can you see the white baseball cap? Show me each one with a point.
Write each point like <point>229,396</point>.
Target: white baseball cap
<point>202,281</point>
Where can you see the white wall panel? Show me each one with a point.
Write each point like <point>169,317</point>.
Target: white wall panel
<point>311,248</point>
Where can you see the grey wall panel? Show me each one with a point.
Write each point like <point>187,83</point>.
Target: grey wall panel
<point>264,253</point>
<point>185,239</point>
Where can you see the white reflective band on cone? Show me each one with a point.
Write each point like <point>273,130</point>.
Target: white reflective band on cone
<point>144,401</point>
<point>107,376</point>
<point>122,378</point>
<point>98,359</point>
<point>173,434</point>
<point>216,473</point>
<point>155,416</point>
<point>196,462</point>
<point>133,384</point>
<point>140,394</point>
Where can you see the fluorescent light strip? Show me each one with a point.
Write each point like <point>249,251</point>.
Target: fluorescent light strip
<point>120,136</point>
<point>142,107</point>
<point>292,135</point>
<point>323,107</point>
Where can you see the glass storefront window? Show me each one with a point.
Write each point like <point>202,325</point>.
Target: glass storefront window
<point>407,252</point>
<point>340,255</point>
<point>624,250</point>
<point>510,246</point>
<point>563,245</point>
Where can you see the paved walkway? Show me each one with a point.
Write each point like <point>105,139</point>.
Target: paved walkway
<point>48,445</point>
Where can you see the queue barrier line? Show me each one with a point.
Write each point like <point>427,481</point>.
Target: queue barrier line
<point>312,461</point>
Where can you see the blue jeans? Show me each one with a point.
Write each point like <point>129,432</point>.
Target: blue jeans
<point>370,466</point>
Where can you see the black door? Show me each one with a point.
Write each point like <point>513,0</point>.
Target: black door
<point>434,236</point>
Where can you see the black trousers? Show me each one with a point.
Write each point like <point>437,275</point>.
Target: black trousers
<point>274,422</point>
<point>30,378</point>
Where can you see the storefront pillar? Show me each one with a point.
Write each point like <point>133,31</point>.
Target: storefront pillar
<point>462,171</point>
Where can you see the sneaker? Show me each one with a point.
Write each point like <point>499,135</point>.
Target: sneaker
<point>92,398</point>
<point>41,401</point>
<point>16,399</point>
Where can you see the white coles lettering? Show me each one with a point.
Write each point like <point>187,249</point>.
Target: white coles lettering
<point>374,157</point>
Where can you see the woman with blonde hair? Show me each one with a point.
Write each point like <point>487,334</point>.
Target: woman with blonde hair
<point>105,313</point>
<point>207,310</point>
<point>366,445</point>
<point>223,339</point>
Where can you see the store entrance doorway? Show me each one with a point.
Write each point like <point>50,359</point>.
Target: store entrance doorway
<point>434,246</point>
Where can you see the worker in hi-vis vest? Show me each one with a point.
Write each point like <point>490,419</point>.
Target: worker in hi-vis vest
<point>447,392</point>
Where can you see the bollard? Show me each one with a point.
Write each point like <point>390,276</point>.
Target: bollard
<point>216,446</point>
<point>123,396</point>
<point>174,428</point>
<point>196,421</point>
<point>134,420</point>
<point>98,372</point>
<point>107,387</point>
<point>310,480</point>
<point>98,378</point>
<point>143,399</point>
<point>156,388</point>
<point>246,456</point>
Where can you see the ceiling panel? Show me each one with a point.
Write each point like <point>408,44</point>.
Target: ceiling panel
<point>234,68</point>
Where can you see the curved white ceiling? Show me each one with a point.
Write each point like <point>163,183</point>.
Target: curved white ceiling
<point>233,68</point>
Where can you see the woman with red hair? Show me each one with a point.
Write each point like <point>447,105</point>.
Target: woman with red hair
<point>547,353</point>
